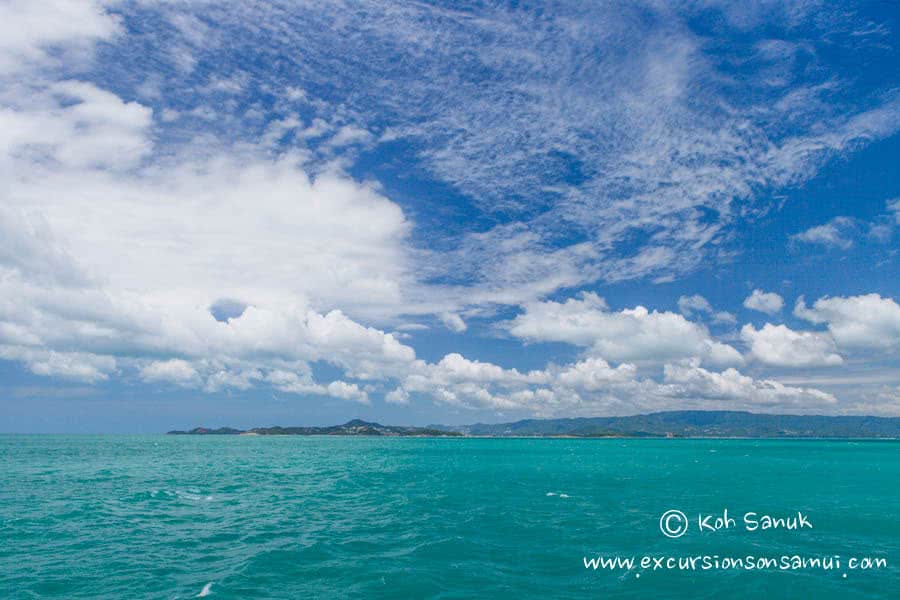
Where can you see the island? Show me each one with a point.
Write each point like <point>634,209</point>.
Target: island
<point>697,424</point>
<point>670,424</point>
<point>354,427</point>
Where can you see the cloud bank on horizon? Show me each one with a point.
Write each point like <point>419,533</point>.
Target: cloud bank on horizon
<point>647,206</point>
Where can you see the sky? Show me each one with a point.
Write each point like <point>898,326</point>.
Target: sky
<point>259,213</point>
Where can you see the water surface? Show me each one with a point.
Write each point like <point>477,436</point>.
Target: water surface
<point>324,517</point>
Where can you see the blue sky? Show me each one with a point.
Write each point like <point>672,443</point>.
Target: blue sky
<point>265,212</point>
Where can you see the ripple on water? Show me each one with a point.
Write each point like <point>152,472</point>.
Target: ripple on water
<point>160,517</point>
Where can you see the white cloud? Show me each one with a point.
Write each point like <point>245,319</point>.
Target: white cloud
<point>455,367</point>
<point>115,241</point>
<point>239,378</point>
<point>173,371</point>
<point>28,246</point>
<point>692,381</point>
<point>229,227</point>
<point>856,322</point>
<point>453,322</point>
<point>842,232</point>
<point>296,381</point>
<point>76,124</point>
<point>781,346</point>
<point>33,33</point>
<point>893,206</point>
<point>594,374</point>
<point>158,244</point>
<point>724,317</point>
<point>767,302</point>
<point>300,381</point>
<point>349,134</point>
<point>78,366</point>
<point>629,335</point>
<point>48,305</point>
<point>347,391</point>
<point>592,386</point>
<point>880,231</point>
<point>838,232</point>
<point>73,365</point>
<point>697,304</point>
<point>688,305</point>
<point>461,382</point>
<point>397,396</point>
<point>648,144</point>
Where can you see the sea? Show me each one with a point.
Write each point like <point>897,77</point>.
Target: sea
<point>119,516</point>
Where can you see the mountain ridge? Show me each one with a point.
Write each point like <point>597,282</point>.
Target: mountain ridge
<point>696,423</point>
<point>686,423</point>
<point>354,427</point>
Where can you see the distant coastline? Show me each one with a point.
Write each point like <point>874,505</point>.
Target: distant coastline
<point>355,427</point>
<point>672,424</point>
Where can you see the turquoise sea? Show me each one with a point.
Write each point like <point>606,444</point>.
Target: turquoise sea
<point>301,517</point>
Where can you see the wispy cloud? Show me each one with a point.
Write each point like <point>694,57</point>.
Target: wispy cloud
<point>619,127</point>
<point>200,195</point>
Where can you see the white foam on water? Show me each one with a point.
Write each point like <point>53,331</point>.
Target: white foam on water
<point>563,495</point>
<point>206,591</point>
<point>551,493</point>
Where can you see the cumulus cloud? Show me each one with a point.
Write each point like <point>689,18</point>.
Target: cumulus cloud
<point>74,124</point>
<point>171,371</point>
<point>33,34</point>
<point>838,233</point>
<point>205,220</point>
<point>856,322</point>
<point>347,391</point>
<point>29,247</point>
<point>692,380</point>
<point>78,366</point>
<point>232,377</point>
<point>843,232</point>
<point>592,385</point>
<point>300,381</point>
<point>636,334</point>
<point>275,343</point>
<point>194,228</point>
<point>781,346</point>
<point>48,306</point>
<point>397,396</point>
<point>112,252</point>
<point>766,302</point>
<point>461,382</point>
<point>594,374</point>
<point>295,379</point>
<point>214,246</point>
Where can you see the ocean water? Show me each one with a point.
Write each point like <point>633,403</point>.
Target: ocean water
<point>301,517</point>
